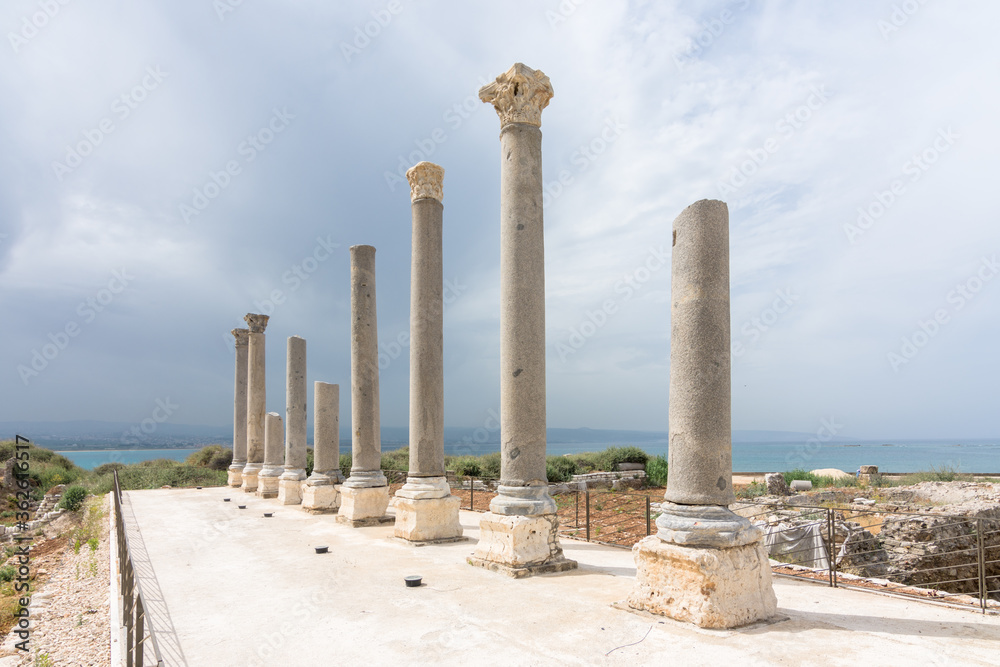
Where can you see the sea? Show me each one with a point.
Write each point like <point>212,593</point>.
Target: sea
<point>970,456</point>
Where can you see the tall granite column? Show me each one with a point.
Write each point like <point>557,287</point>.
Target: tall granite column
<point>267,481</point>
<point>296,428</point>
<point>256,396</point>
<point>518,536</point>
<point>425,509</point>
<point>365,494</point>
<point>705,565</point>
<point>321,492</point>
<point>239,410</point>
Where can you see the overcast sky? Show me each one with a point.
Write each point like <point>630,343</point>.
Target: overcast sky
<point>166,168</point>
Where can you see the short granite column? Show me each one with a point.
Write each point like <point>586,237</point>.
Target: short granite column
<point>706,565</point>
<point>364,497</point>
<point>239,410</point>
<point>256,395</point>
<point>426,512</point>
<point>321,492</point>
<point>519,535</point>
<point>267,480</point>
<point>296,427</point>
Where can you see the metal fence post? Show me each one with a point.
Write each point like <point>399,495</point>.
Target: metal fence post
<point>472,493</point>
<point>647,515</point>
<point>832,551</point>
<point>981,558</point>
<point>140,615</point>
<point>587,500</point>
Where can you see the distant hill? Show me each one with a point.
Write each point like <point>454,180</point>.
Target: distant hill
<point>87,434</point>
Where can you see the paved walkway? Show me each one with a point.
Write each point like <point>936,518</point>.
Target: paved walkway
<point>235,588</point>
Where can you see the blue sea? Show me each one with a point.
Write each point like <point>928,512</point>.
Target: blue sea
<point>974,456</point>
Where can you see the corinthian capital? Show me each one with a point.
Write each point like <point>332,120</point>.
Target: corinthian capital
<point>256,322</point>
<point>519,95</point>
<point>426,179</point>
<point>242,336</point>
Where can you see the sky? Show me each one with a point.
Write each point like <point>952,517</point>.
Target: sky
<point>166,168</point>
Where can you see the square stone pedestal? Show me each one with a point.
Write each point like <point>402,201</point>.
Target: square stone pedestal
<point>520,546</point>
<point>323,499</point>
<point>710,587</point>
<point>249,483</point>
<point>235,477</point>
<point>364,506</point>
<point>290,491</point>
<point>267,487</point>
<point>428,520</point>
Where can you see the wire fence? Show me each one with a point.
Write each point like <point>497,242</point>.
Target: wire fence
<point>133,606</point>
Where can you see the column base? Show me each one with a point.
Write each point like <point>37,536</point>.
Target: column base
<point>249,482</point>
<point>520,546</point>
<point>427,520</point>
<point>290,491</point>
<point>267,486</point>
<point>364,506</point>
<point>711,587</point>
<point>235,476</point>
<point>323,499</point>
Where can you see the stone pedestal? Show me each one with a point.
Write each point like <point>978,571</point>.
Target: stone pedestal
<point>364,506</point>
<point>710,587</point>
<point>426,512</point>
<point>235,476</point>
<point>290,489</point>
<point>270,474</point>
<point>320,499</point>
<point>256,400</point>
<point>520,546</point>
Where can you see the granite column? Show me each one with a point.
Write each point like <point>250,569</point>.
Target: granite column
<point>239,410</point>
<point>321,492</point>
<point>267,480</point>
<point>256,399</point>
<point>296,427</point>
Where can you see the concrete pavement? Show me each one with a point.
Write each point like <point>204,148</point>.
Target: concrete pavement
<point>230,587</point>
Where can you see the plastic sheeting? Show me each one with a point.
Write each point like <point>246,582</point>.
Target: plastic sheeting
<point>798,545</point>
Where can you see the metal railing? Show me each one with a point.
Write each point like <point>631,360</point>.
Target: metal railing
<point>133,607</point>
<point>933,557</point>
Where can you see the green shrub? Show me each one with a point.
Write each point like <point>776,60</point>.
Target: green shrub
<point>73,498</point>
<point>310,460</point>
<point>465,466</point>
<point>656,471</point>
<point>752,490</point>
<point>7,573</point>
<point>107,468</point>
<point>345,465</point>
<point>612,456</point>
<point>560,468</point>
<point>214,457</point>
<point>397,459</point>
<point>489,466</point>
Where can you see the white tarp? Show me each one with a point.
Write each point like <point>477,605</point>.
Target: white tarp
<point>799,545</point>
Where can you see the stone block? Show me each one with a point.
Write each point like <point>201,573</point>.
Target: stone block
<point>324,499</point>
<point>235,477</point>
<point>364,506</point>
<point>520,546</point>
<point>776,485</point>
<point>249,483</point>
<point>290,491</point>
<point>709,587</point>
<point>427,519</point>
<point>267,487</point>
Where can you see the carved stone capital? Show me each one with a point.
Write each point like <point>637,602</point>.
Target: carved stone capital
<point>256,322</point>
<point>519,95</point>
<point>242,336</point>
<point>426,181</point>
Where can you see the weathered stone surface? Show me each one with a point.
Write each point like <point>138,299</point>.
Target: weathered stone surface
<point>700,453</point>
<point>425,180</point>
<point>256,400</point>
<point>520,545</point>
<point>364,506</point>
<point>290,490</point>
<point>519,95</point>
<point>321,499</point>
<point>296,426</point>
<point>427,519</point>
<point>326,435</point>
<point>235,476</point>
<point>267,479</point>
<point>776,485</point>
<point>712,588</point>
